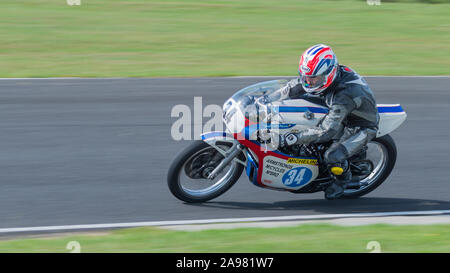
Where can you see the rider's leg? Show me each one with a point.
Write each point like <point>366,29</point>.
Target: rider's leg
<point>351,142</point>
<point>336,159</point>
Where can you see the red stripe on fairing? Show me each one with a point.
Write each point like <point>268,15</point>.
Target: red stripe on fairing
<point>249,122</point>
<point>260,152</point>
<point>312,64</point>
<point>257,149</point>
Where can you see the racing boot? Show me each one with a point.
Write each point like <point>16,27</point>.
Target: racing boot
<point>342,175</point>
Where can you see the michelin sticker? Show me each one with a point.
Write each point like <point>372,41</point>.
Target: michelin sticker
<point>302,161</point>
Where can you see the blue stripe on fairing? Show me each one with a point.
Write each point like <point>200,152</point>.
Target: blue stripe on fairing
<point>390,109</point>
<point>295,109</point>
<point>292,109</point>
<point>249,130</point>
<point>252,169</point>
<point>213,134</point>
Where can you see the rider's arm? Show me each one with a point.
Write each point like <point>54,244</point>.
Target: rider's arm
<point>292,89</point>
<point>331,124</point>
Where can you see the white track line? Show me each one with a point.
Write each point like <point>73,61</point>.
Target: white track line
<point>379,76</point>
<point>226,220</point>
<point>54,78</point>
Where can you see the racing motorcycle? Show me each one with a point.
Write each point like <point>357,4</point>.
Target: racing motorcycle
<point>210,166</point>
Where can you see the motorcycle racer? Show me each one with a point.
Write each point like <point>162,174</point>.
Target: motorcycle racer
<point>352,120</point>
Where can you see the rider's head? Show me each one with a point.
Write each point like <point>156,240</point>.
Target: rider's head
<point>317,68</point>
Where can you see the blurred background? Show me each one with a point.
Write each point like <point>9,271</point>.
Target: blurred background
<point>97,150</point>
<point>173,38</point>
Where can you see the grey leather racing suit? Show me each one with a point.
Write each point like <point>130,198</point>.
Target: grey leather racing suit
<point>352,120</point>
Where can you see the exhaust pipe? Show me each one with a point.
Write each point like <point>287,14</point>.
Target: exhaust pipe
<point>355,185</point>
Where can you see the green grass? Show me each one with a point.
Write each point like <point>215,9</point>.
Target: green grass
<point>142,38</point>
<point>303,238</point>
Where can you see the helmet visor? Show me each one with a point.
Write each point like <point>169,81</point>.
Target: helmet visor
<point>312,82</point>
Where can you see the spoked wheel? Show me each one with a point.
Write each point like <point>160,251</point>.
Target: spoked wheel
<point>375,168</point>
<point>188,175</point>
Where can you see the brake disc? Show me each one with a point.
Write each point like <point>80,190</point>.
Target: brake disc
<point>202,165</point>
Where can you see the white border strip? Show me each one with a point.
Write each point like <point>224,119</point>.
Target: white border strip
<point>226,220</point>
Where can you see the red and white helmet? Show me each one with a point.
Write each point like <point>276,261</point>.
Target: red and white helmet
<point>317,68</point>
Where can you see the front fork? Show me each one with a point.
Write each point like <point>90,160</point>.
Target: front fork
<point>229,155</point>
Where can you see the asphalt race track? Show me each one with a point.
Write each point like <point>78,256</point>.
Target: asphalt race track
<point>90,151</point>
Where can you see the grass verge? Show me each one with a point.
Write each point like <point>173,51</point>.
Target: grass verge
<point>141,38</point>
<point>303,238</point>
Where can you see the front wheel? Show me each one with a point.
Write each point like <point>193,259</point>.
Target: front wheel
<point>187,176</point>
<point>381,155</point>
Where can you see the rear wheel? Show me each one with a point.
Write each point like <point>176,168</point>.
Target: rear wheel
<point>187,176</point>
<point>380,159</point>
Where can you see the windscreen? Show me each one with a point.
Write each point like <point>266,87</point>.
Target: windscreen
<point>247,96</point>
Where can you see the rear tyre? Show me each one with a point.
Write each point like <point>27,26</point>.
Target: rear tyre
<point>381,170</point>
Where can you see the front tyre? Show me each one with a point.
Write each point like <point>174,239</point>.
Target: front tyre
<point>382,153</point>
<point>187,176</point>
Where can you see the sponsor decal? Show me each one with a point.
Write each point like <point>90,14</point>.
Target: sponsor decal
<point>302,161</point>
<point>279,173</point>
<point>297,177</point>
<point>274,168</point>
